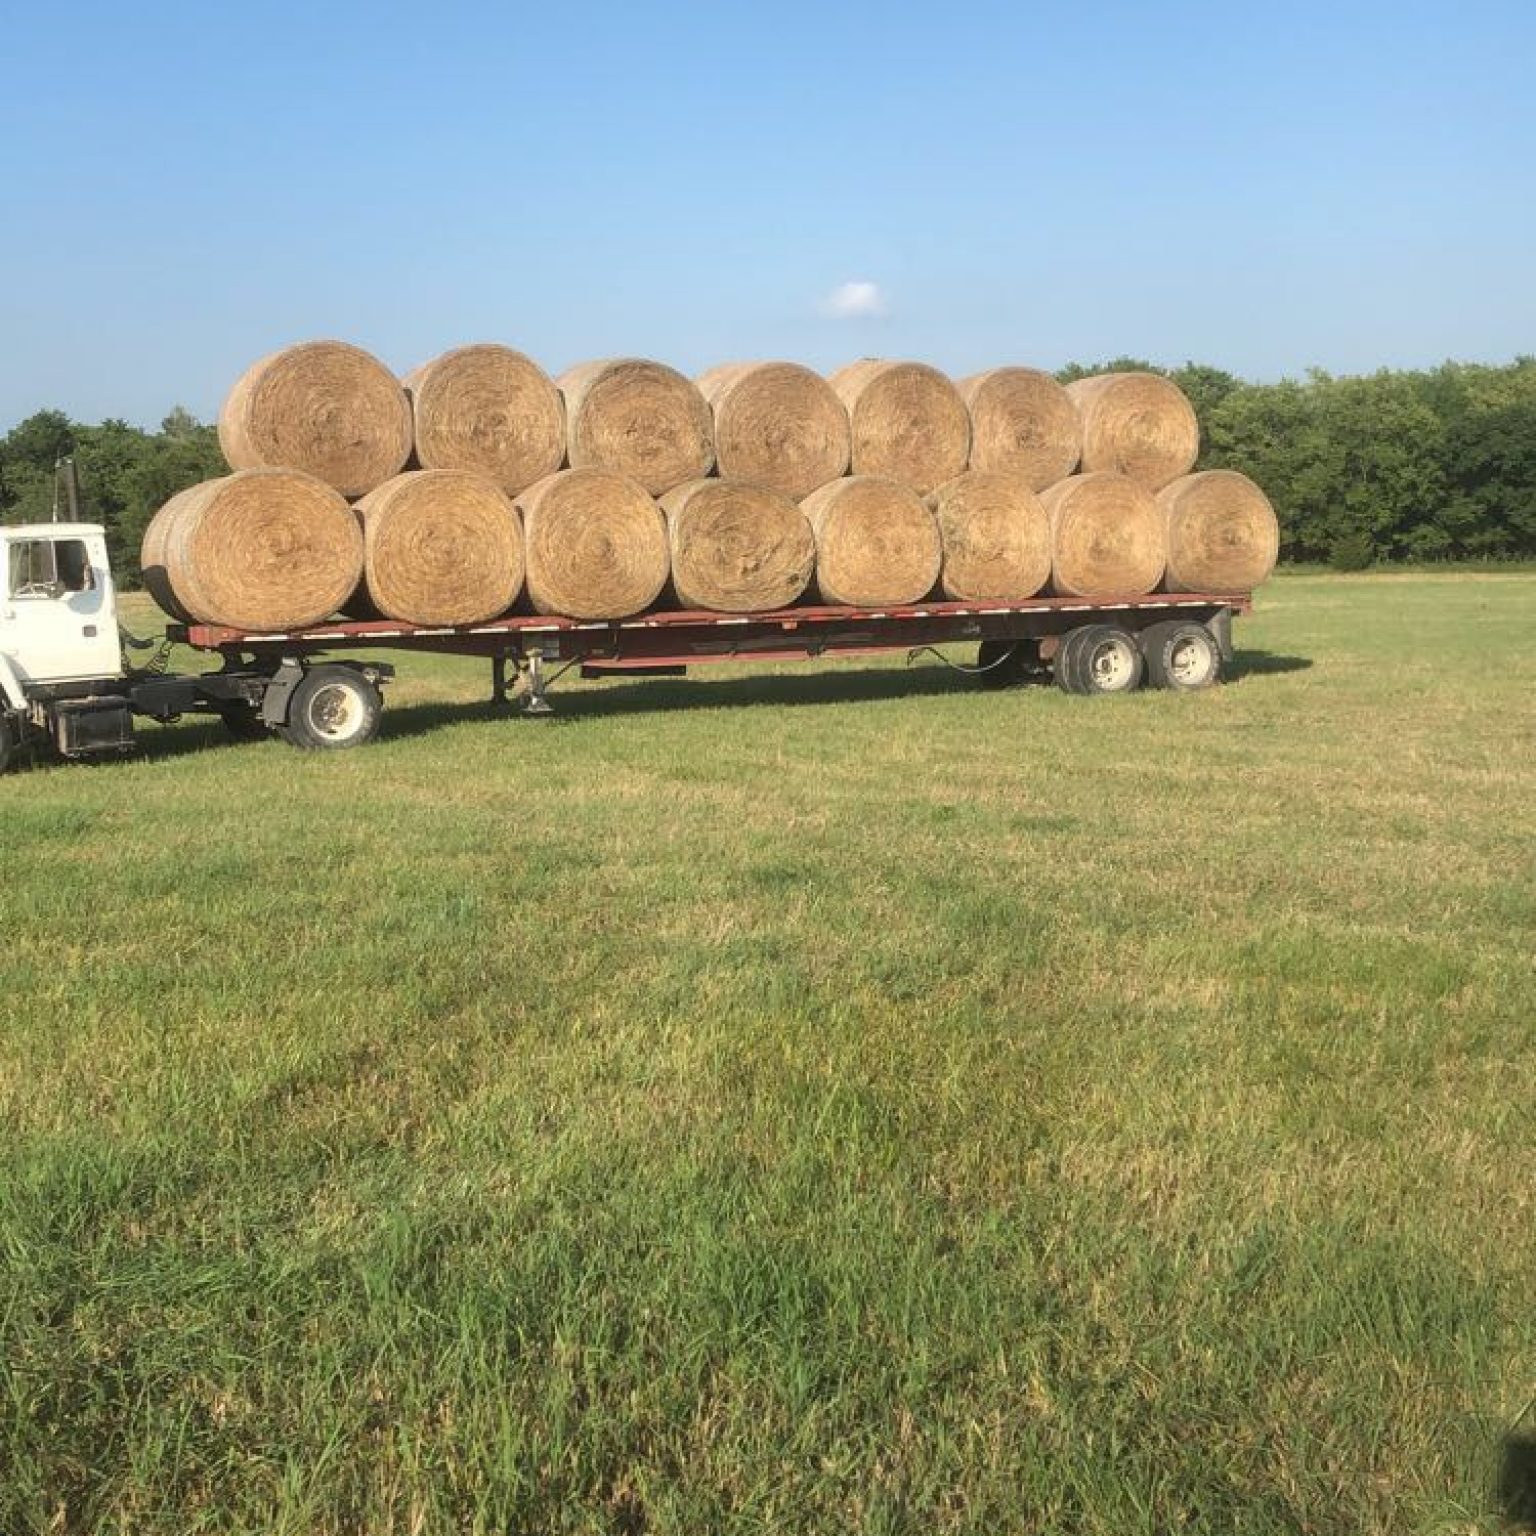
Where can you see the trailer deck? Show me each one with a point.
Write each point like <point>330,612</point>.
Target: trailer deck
<point>683,637</point>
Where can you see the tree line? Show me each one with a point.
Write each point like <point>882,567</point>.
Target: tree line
<point>1434,464</point>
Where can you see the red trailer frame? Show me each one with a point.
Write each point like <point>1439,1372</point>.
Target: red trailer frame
<point>677,639</point>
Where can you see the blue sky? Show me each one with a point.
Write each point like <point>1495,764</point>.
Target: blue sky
<point>186,187</point>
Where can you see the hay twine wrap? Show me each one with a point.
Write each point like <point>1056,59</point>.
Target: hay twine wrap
<point>594,543</point>
<point>1107,537</point>
<point>1223,535</point>
<point>488,409</point>
<point>996,538</point>
<point>261,549</point>
<point>638,418</point>
<point>876,543</point>
<point>1023,423</point>
<point>778,425</point>
<point>323,407</point>
<point>1136,424</point>
<point>737,548</point>
<point>907,421</point>
<point>440,546</point>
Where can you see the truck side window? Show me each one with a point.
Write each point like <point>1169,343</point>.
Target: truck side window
<point>50,568</point>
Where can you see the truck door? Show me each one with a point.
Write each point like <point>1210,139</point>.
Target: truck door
<point>58,617</point>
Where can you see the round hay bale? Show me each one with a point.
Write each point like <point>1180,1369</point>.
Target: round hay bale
<point>737,548</point>
<point>1107,537</point>
<point>778,425</point>
<point>261,549</point>
<point>638,418</point>
<point>907,422</point>
<point>996,538</point>
<point>1136,424</point>
<point>1223,535</point>
<point>440,546</point>
<point>323,407</point>
<point>876,543</point>
<point>487,409</point>
<point>595,545</point>
<point>152,556</point>
<point>1023,423</point>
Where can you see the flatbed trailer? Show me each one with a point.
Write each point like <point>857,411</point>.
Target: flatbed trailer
<point>1015,640</point>
<point>64,682</point>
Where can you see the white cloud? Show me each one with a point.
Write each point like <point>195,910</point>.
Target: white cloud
<point>855,301</point>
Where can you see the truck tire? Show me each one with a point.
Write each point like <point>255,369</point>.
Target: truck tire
<point>7,743</point>
<point>332,708</point>
<point>1099,658</point>
<point>1181,655</point>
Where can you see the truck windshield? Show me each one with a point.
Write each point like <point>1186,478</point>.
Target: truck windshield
<point>50,568</point>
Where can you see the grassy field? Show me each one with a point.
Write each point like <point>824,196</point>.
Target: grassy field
<point>826,1100</point>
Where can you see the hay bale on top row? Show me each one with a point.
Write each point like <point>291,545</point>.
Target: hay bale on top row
<point>777,425</point>
<point>737,548</point>
<point>1023,423</point>
<point>907,422</point>
<point>488,409</point>
<point>1136,424</point>
<point>638,418</point>
<point>440,546</point>
<point>261,549</point>
<point>325,408</point>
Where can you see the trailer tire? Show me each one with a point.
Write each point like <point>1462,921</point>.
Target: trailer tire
<point>332,708</point>
<point>1181,655</point>
<point>1099,658</point>
<point>7,743</point>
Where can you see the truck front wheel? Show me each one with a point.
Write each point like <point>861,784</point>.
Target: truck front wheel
<point>333,707</point>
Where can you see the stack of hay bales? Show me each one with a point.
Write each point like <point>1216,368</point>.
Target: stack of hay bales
<point>477,485</point>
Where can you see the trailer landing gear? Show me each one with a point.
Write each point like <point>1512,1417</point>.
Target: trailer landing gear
<point>532,700</point>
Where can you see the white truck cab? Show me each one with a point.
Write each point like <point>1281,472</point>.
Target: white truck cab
<point>58,607</point>
<point>64,684</point>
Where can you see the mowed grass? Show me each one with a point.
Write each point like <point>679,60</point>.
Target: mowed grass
<point>830,1099</point>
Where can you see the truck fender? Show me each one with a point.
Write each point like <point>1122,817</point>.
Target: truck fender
<point>275,697</point>
<point>11,690</point>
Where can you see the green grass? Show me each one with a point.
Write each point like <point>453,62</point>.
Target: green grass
<point>814,1100</point>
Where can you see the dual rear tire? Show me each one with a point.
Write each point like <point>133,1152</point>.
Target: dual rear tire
<point>1104,658</point>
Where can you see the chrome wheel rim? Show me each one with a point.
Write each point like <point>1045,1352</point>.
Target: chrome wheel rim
<point>334,712</point>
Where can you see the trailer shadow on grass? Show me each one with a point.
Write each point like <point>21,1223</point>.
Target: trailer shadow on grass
<point>1516,1490</point>
<point>1264,664</point>
<point>650,695</point>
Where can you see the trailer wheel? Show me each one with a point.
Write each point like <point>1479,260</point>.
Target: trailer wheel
<point>1099,658</point>
<point>7,743</point>
<point>1181,655</point>
<point>333,707</point>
